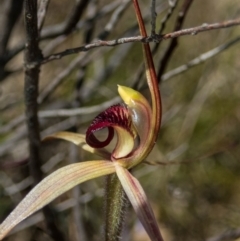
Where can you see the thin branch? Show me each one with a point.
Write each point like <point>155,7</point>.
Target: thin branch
<point>172,6</point>
<point>17,188</point>
<point>114,61</point>
<point>75,15</point>
<point>49,31</point>
<point>12,124</point>
<point>174,42</point>
<point>78,111</point>
<point>10,12</point>
<point>229,235</point>
<point>69,24</point>
<point>9,15</point>
<point>91,13</point>
<point>5,182</point>
<point>195,107</point>
<point>12,140</point>
<point>200,59</point>
<point>58,29</point>
<point>204,27</point>
<point>223,148</point>
<point>109,26</point>
<point>42,10</point>
<point>87,47</point>
<point>59,78</point>
<point>53,114</point>
<point>111,43</point>
<point>33,54</point>
<point>153,17</point>
<point>114,18</point>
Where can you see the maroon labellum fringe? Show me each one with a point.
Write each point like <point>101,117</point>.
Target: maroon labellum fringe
<point>116,115</point>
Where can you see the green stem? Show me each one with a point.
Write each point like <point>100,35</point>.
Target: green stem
<point>115,208</point>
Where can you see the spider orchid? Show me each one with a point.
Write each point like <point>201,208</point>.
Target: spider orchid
<point>135,121</point>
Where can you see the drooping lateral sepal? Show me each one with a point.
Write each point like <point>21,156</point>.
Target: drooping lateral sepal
<point>140,203</point>
<point>116,118</point>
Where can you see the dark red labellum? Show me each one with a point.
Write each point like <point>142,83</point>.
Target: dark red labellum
<point>116,115</point>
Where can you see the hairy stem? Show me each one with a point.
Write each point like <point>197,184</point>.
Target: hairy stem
<point>115,208</point>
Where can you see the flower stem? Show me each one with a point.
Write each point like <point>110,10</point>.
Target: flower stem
<point>115,208</point>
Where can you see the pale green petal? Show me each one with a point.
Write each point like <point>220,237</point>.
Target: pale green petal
<point>53,186</point>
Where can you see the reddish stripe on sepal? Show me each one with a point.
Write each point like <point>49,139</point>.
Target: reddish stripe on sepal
<point>115,116</point>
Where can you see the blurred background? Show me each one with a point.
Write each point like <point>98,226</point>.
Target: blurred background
<point>191,177</point>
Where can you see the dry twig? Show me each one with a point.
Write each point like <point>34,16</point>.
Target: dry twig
<point>174,42</point>
<point>111,43</point>
<point>32,54</point>
<point>229,235</point>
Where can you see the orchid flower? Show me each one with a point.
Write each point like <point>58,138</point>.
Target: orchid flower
<point>136,124</point>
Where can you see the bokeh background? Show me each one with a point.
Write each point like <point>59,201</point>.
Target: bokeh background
<point>192,175</point>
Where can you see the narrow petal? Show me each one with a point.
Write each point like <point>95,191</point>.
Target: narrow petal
<point>116,118</point>
<point>79,140</point>
<point>138,199</point>
<point>53,186</point>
